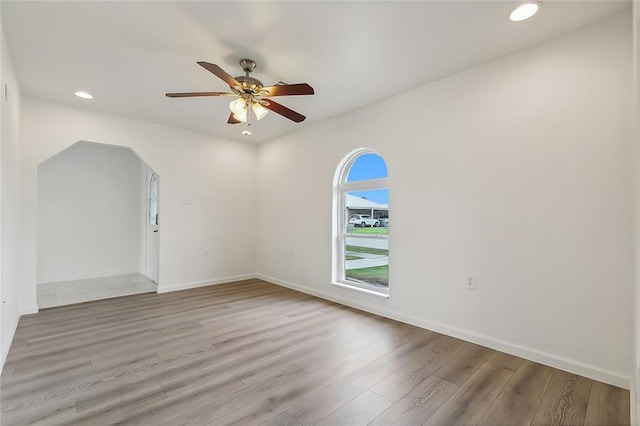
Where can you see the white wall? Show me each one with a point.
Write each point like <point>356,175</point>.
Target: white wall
<point>9,199</point>
<point>207,191</point>
<point>520,172</point>
<point>89,206</point>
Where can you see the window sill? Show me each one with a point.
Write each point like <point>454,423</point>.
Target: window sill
<point>360,289</point>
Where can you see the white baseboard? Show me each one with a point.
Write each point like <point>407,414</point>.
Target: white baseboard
<point>29,309</point>
<point>5,351</point>
<point>24,310</point>
<point>204,283</point>
<point>550,360</point>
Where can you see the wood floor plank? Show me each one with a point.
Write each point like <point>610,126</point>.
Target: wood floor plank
<point>464,363</point>
<point>506,361</point>
<point>102,362</point>
<point>252,353</point>
<point>276,376</point>
<point>565,400</point>
<point>417,406</point>
<point>360,411</point>
<point>608,405</point>
<point>185,378</point>
<point>394,341</point>
<point>118,393</point>
<point>46,413</point>
<point>181,407</point>
<point>472,399</point>
<point>282,419</point>
<point>10,378</point>
<point>204,403</point>
<point>265,407</point>
<point>518,401</point>
<point>322,403</point>
<point>273,328</point>
<point>42,358</point>
<point>44,390</point>
<point>398,384</point>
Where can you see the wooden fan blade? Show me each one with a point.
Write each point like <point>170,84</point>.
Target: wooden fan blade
<point>194,94</point>
<point>232,119</point>
<point>220,73</point>
<point>283,110</point>
<point>288,90</point>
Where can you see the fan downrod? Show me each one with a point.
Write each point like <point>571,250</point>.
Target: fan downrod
<point>250,85</point>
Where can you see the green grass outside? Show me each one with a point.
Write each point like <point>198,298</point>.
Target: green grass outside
<point>358,249</point>
<point>374,275</point>
<point>349,257</point>
<point>369,231</point>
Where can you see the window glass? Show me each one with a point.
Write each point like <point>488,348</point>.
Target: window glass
<point>367,212</point>
<point>366,262</point>
<point>153,200</point>
<point>367,166</point>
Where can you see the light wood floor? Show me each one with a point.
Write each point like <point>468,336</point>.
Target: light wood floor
<point>255,353</point>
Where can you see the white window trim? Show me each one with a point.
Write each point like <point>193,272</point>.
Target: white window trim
<point>341,188</point>
<point>350,286</point>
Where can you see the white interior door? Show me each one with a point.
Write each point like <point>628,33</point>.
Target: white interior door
<point>153,230</point>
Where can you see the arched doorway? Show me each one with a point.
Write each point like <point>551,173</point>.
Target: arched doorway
<point>92,212</point>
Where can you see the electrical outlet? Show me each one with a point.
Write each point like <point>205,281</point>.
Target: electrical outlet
<point>471,282</point>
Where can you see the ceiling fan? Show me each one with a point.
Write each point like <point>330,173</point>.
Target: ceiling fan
<point>251,95</point>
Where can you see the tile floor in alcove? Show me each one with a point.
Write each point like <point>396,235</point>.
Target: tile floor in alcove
<point>78,291</point>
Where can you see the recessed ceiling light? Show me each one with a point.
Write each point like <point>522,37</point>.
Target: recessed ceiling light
<point>524,11</point>
<point>83,95</point>
<point>246,133</point>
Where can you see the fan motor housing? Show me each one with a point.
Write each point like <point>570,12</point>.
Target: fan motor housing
<point>249,84</point>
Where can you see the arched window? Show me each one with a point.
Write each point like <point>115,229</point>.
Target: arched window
<point>361,223</point>
<point>153,200</point>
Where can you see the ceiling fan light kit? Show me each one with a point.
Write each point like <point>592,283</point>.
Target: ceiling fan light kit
<point>239,109</point>
<point>251,95</point>
<point>259,111</point>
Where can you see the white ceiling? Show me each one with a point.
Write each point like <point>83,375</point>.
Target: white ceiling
<point>129,54</point>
